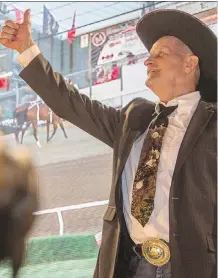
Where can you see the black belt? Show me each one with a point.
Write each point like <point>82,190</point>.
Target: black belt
<point>138,250</point>
<point>155,251</point>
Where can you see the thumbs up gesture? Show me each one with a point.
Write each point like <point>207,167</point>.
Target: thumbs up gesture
<point>17,35</point>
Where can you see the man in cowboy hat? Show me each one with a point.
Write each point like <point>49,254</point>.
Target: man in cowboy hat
<point>161,217</point>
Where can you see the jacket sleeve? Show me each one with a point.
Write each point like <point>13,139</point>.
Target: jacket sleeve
<point>64,99</point>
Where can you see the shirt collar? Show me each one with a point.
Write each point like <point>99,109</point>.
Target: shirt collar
<point>184,102</point>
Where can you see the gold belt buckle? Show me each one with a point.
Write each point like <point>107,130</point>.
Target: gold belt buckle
<point>156,251</point>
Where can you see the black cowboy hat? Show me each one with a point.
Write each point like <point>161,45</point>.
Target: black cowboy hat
<point>194,33</point>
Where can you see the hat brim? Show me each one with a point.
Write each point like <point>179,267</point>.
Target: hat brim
<point>194,33</point>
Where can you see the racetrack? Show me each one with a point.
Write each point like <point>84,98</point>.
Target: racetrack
<point>71,171</point>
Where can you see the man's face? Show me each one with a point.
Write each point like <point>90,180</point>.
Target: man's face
<point>165,65</point>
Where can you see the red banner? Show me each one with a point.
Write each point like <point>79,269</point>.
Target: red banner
<point>72,31</point>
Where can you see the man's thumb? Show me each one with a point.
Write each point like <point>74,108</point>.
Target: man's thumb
<point>26,17</point>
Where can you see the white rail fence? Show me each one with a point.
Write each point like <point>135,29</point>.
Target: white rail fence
<point>67,208</point>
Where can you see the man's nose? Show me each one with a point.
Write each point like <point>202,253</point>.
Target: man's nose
<point>149,61</point>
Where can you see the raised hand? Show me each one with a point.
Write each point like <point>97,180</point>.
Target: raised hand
<point>17,35</point>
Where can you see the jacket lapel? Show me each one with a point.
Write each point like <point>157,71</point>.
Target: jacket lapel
<point>200,119</point>
<point>125,149</point>
<point>138,121</point>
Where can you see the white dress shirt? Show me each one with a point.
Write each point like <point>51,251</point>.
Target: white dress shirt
<point>28,55</point>
<point>158,224</point>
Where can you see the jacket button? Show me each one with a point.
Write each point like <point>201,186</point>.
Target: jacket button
<point>175,235</point>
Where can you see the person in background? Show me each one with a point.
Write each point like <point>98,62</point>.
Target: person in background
<point>115,74</point>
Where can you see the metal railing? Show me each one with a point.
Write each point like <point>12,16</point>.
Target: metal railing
<point>59,211</point>
<point>108,88</point>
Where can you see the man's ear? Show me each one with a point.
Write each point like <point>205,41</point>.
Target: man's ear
<point>191,63</point>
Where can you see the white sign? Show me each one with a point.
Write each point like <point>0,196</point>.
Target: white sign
<point>84,41</point>
<point>125,44</point>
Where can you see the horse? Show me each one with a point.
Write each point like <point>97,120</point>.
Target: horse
<point>30,113</point>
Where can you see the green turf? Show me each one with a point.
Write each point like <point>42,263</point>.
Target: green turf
<point>62,269</point>
<point>69,256</point>
<point>61,248</point>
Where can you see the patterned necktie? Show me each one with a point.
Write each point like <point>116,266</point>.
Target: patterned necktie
<point>144,185</point>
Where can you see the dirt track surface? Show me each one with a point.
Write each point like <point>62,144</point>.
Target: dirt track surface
<point>71,171</point>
